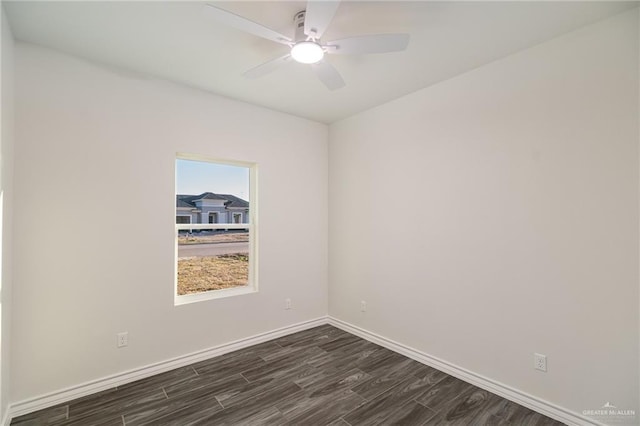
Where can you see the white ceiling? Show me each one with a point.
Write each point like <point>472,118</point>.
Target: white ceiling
<point>175,41</point>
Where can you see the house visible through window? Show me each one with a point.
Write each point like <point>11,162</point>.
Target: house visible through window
<point>215,228</point>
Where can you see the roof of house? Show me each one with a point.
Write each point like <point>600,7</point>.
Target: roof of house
<point>209,196</point>
<point>186,200</point>
<point>182,203</point>
<point>233,201</point>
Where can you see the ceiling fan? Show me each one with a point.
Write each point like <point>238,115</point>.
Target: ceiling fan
<point>306,46</point>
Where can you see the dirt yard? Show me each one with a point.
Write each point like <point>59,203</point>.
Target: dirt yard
<point>200,274</point>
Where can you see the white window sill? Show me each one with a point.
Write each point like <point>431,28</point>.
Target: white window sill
<point>214,294</point>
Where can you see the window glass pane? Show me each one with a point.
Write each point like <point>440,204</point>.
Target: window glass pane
<point>212,260</point>
<point>215,258</point>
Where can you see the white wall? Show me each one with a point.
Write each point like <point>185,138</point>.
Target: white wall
<point>94,240</point>
<point>513,193</point>
<point>6,185</point>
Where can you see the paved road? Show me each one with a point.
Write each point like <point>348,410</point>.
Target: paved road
<point>217,249</point>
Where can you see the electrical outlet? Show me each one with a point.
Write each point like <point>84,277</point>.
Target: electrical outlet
<point>363,306</point>
<point>287,304</point>
<point>123,339</point>
<point>540,362</point>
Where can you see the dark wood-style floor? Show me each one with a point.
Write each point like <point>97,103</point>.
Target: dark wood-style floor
<point>322,376</point>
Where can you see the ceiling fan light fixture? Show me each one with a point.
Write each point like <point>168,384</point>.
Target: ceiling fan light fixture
<point>307,52</point>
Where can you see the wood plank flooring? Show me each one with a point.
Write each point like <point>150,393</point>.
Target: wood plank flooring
<point>322,376</point>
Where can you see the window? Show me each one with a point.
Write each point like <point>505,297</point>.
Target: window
<point>215,230</point>
<point>183,219</point>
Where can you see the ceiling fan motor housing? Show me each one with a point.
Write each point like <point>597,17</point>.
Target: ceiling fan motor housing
<point>306,48</point>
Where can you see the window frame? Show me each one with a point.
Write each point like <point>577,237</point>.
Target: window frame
<point>251,226</point>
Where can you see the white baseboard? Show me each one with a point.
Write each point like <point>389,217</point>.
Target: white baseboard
<point>541,406</point>
<point>88,388</point>
<point>58,397</point>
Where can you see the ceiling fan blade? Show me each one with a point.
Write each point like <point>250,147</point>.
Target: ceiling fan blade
<point>243,24</point>
<point>267,67</point>
<point>328,75</point>
<point>318,16</point>
<point>377,43</point>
